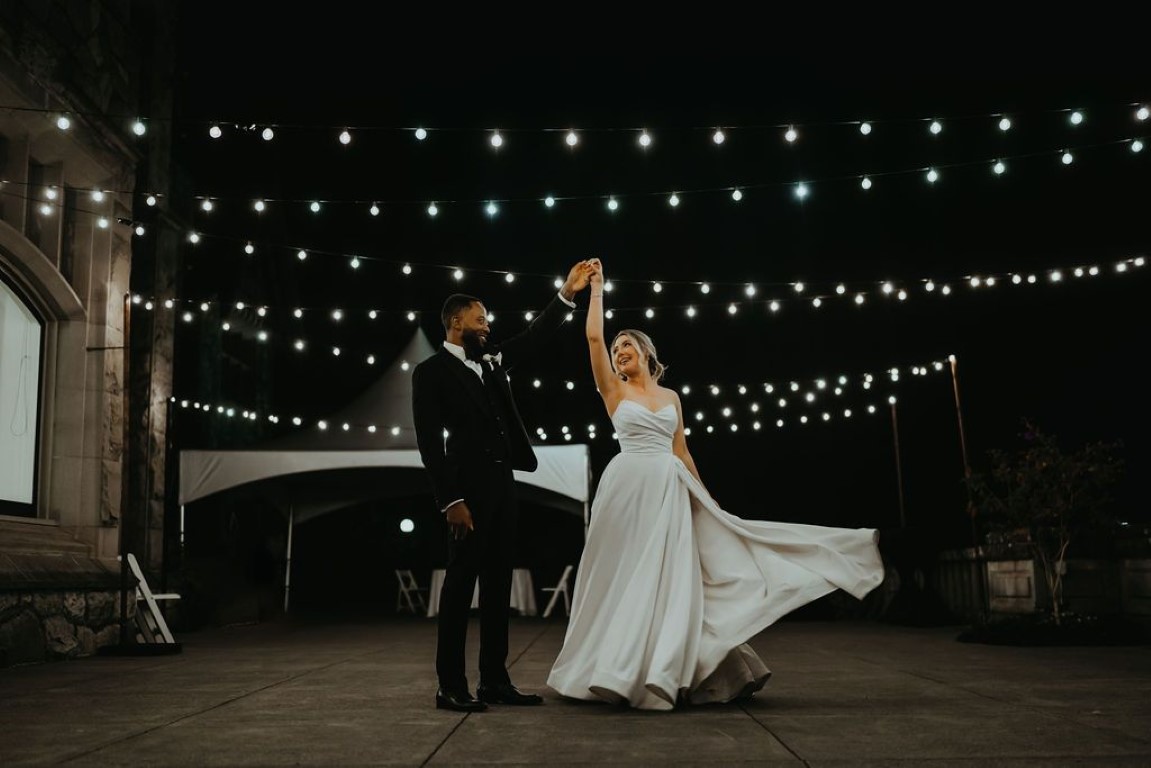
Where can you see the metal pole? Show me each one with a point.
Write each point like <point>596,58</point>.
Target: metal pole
<point>980,563</point>
<point>898,462</point>
<point>963,449</point>
<point>288,563</point>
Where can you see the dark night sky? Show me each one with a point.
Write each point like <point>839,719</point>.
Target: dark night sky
<point>1067,355</point>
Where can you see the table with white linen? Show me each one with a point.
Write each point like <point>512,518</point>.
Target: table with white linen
<point>523,598</point>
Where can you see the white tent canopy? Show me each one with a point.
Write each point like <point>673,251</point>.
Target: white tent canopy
<point>312,472</point>
<point>563,470</point>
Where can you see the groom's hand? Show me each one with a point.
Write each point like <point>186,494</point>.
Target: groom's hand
<point>459,519</point>
<point>577,279</point>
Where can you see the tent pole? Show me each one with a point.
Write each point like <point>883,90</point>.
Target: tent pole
<point>288,562</point>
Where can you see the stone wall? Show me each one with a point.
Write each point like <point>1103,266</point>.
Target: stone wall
<point>46,626</point>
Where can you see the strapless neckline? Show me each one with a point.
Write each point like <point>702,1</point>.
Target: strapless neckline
<point>637,403</point>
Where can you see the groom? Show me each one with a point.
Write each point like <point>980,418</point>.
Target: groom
<point>471,437</point>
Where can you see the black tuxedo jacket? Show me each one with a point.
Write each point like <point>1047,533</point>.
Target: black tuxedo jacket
<point>449,396</point>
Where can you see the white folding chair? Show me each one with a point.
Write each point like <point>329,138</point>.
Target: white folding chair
<point>561,588</point>
<point>149,620</point>
<point>410,596</point>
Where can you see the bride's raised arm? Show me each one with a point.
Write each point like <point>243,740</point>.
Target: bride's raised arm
<point>605,379</point>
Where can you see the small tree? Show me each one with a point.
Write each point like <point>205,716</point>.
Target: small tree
<point>1051,495</point>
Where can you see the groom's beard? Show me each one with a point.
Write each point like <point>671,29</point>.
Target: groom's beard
<point>473,345</point>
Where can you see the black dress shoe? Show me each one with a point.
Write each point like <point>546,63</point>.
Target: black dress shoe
<point>459,701</point>
<point>507,694</point>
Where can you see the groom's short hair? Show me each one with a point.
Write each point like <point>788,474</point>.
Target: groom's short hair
<point>455,304</point>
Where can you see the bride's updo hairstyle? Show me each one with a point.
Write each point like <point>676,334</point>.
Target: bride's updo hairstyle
<point>643,341</point>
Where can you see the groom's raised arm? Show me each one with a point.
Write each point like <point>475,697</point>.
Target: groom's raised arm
<point>526,342</point>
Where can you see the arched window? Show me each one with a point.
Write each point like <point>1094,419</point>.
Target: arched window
<point>21,365</point>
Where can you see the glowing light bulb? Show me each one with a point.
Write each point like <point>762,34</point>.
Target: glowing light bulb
<point>215,132</point>
<point>268,134</point>
<point>718,137</point>
<point>421,134</point>
<point>345,137</point>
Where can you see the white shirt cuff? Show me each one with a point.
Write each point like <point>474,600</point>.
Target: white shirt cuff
<point>571,304</point>
<point>445,509</point>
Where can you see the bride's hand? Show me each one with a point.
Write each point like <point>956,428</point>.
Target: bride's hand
<point>596,276</point>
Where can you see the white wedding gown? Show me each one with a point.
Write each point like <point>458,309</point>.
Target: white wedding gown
<point>670,587</point>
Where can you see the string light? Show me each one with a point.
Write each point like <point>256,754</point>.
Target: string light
<point>801,189</point>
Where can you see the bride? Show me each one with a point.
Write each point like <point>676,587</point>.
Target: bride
<point>671,587</point>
